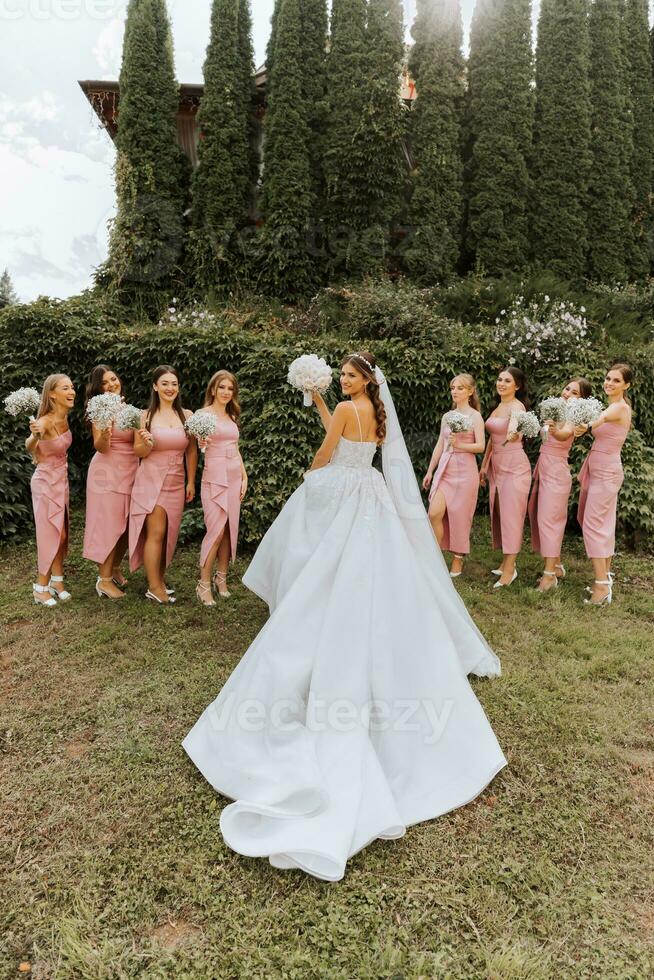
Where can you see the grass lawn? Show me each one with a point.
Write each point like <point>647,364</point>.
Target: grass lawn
<point>112,857</point>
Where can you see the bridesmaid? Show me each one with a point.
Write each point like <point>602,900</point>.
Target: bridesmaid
<point>48,444</point>
<point>509,473</point>
<point>161,486</point>
<point>108,491</point>
<point>548,504</point>
<point>601,477</point>
<point>453,477</point>
<point>224,484</point>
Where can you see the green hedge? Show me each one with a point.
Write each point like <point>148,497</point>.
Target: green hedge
<point>278,434</point>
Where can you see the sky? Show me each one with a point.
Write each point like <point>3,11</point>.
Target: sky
<point>56,180</point>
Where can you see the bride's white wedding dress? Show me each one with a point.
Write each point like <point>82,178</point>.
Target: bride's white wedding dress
<point>350,716</point>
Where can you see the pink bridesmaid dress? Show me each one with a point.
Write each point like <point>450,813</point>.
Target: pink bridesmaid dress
<point>50,497</point>
<point>108,492</point>
<point>548,504</point>
<point>160,482</point>
<point>457,477</point>
<point>221,487</point>
<point>601,477</point>
<point>509,480</point>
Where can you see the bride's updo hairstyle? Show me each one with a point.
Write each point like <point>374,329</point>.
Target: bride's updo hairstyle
<point>365,364</point>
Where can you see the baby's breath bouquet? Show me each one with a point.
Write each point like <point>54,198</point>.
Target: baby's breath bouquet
<point>583,411</point>
<point>552,409</point>
<point>457,422</point>
<point>103,409</point>
<point>525,423</point>
<point>202,425</point>
<point>23,401</point>
<point>310,373</point>
<point>128,417</point>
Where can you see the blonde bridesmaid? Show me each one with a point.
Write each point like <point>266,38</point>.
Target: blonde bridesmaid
<point>108,491</point>
<point>548,504</point>
<point>165,480</point>
<point>507,469</point>
<point>48,445</point>
<point>452,477</point>
<point>224,484</point>
<point>601,477</point>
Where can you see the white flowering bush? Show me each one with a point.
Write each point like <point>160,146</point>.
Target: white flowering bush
<point>545,332</point>
<point>193,316</point>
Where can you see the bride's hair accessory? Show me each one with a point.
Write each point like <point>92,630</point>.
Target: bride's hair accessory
<point>367,363</point>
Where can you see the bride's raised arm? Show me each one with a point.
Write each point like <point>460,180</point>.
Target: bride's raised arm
<point>321,405</point>
<point>335,429</point>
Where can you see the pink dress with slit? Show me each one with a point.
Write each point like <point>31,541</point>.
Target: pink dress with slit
<point>160,482</point>
<point>50,497</point>
<point>548,504</point>
<point>457,477</point>
<point>601,477</point>
<point>221,487</point>
<point>509,481</point>
<point>108,493</point>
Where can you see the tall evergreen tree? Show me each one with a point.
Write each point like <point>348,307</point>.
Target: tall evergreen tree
<point>313,26</point>
<point>147,235</point>
<point>501,122</point>
<point>435,213</point>
<point>638,65</point>
<point>609,202</point>
<point>221,183</point>
<point>8,295</point>
<point>286,264</point>
<point>561,159</point>
<point>248,92</point>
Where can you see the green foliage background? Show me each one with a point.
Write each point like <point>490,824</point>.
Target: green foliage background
<point>420,337</point>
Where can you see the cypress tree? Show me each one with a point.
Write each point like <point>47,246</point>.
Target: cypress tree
<point>347,79</point>
<point>638,65</point>
<point>609,203</point>
<point>561,137</point>
<point>313,26</point>
<point>146,238</point>
<point>501,123</point>
<point>247,92</point>
<point>437,68</point>
<point>221,183</point>
<point>287,267</point>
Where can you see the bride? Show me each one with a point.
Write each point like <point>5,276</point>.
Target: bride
<point>350,716</point>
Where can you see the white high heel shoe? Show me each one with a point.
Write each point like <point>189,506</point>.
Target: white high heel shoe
<point>155,598</point>
<point>456,574</point>
<point>50,603</point>
<point>605,600</point>
<point>220,578</point>
<point>563,572</point>
<point>503,585</point>
<point>550,575</point>
<point>105,595</point>
<point>497,571</point>
<point>62,596</point>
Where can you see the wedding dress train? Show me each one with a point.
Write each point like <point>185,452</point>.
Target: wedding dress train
<point>350,716</point>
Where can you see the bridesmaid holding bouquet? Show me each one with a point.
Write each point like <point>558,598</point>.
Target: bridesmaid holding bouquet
<point>224,484</point>
<point>548,504</point>
<point>165,480</point>
<point>108,491</point>
<point>507,469</point>
<point>601,477</point>
<point>48,445</point>
<point>452,477</point>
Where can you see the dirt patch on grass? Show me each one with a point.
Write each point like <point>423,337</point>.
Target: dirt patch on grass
<point>175,933</point>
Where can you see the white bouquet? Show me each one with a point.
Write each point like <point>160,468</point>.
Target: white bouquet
<point>554,409</point>
<point>23,401</point>
<point>457,422</point>
<point>202,425</point>
<point>103,409</point>
<point>583,411</point>
<point>128,417</point>
<point>525,423</point>
<point>310,373</point>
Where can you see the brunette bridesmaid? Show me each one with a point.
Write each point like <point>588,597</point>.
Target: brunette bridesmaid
<point>224,484</point>
<point>509,473</point>
<point>48,444</point>
<point>548,504</point>
<point>165,480</point>
<point>108,491</point>
<point>601,477</point>
<point>452,477</point>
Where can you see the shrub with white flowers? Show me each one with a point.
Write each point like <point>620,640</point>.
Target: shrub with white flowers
<point>545,332</point>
